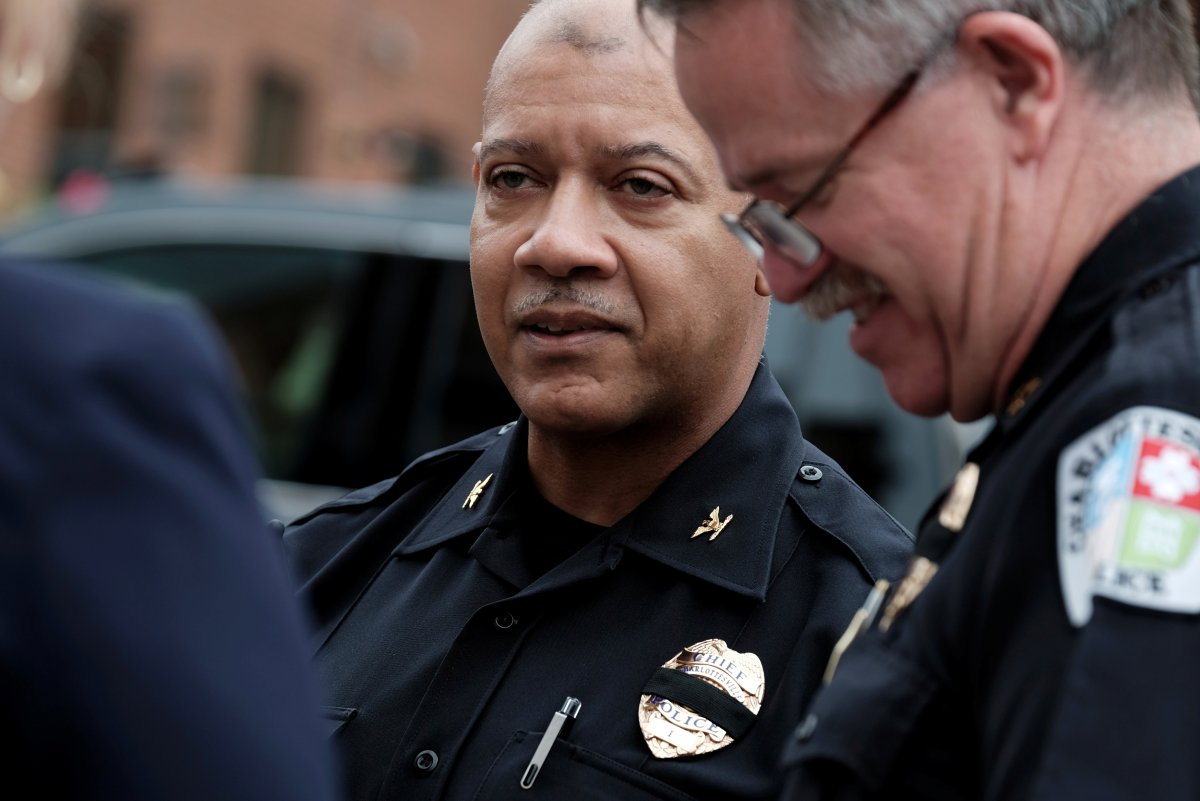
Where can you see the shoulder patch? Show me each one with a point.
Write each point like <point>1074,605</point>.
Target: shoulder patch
<point>1129,513</point>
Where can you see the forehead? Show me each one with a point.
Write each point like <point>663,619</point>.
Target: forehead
<point>555,96</point>
<point>742,73</point>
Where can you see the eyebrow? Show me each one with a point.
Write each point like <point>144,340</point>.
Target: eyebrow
<point>639,150</point>
<point>517,147</point>
<point>629,152</point>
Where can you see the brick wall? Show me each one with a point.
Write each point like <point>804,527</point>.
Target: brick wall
<point>373,79</point>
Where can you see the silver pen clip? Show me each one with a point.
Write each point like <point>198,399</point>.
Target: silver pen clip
<point>568,713</point>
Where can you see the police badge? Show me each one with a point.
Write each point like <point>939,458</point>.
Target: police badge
<point>701,700</point>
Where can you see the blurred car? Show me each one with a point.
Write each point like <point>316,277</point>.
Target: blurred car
<point>349,315</point>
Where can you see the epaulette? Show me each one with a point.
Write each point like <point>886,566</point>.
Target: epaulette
<point>836,505</point>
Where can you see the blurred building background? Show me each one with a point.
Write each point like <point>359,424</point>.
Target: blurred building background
<point>327,89</point>
<point>345,300</point>
<point>381,90</point>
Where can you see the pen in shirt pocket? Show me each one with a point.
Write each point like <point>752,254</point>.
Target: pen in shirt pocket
<point>560,724</point>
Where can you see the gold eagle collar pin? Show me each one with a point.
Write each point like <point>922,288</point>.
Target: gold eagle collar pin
<point>713,526</point>
<point>476,491</point>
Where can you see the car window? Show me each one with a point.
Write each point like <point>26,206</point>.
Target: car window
<point>352,363</point>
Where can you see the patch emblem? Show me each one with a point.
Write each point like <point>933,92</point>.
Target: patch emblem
<point>1129,513</point>
<point>679,718</point>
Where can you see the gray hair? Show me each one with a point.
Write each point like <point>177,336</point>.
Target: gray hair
<point>1124,47</point>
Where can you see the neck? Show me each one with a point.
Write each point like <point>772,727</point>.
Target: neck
<point>1118,159</point>
<point>603,477</point>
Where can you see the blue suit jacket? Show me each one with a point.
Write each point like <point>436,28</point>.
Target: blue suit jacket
<point>149,643</point>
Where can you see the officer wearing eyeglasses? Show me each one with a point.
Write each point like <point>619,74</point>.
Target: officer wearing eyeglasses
<point>1005,196</point>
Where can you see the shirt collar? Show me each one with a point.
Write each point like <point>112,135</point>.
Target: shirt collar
<point>1159,235</point>
<point>745,471</point>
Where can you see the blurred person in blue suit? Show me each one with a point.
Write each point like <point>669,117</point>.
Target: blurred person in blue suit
<point>150,647</point>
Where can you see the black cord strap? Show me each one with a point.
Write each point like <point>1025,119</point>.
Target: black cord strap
<point>702,698</point>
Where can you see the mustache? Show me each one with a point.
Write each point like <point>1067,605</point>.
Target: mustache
<point>835,289</point>
<point>563,290</point>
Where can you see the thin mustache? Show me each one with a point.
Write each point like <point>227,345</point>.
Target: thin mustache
<point>565,292</point>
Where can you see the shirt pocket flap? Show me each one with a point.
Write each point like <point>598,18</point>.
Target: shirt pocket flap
<point>569,772</point>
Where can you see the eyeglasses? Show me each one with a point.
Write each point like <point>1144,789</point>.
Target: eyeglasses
<point>765,223</point>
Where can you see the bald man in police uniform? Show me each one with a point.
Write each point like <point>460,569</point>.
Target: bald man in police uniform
<point>633,590</point>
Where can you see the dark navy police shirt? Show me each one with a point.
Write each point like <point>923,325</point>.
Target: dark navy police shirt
<point>1053,654</point>
<point>448,647</point>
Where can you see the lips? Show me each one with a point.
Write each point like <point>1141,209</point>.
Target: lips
<point>881,332</point>
<point>559,329</point>
<point>862,309</point>
<point>566,324</point>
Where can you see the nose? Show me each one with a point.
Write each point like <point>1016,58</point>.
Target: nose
<point>790,281</point>
<point>570,235</point>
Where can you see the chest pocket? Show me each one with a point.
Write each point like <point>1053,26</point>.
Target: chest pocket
<point>860,722</point>
<point>569,772</point>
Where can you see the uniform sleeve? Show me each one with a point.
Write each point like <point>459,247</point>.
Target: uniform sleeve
<point>1129,562</point>
<point>1126,723</point>
<point>160,626</point>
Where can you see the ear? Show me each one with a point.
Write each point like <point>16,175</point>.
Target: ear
<point>475,166</point>
<point>1026,70</point>
<point>760,284</point>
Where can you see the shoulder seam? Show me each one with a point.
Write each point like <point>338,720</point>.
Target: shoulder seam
<point>371,494</point>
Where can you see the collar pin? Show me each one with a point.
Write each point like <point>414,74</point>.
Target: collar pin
<point>714,525</point>
<point>476,491</point>
<point>1019,398</point>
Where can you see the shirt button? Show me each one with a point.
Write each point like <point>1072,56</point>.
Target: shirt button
<point>505,620</point>
<point>426,761</point>
<point>810,473</point>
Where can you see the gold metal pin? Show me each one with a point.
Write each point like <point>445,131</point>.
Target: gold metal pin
<point>920,572</point>
<point>476,491</point>
<point>1019,398</point>
<point>861,621</point>
<point>953,514</point>
<point>714,525</point>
